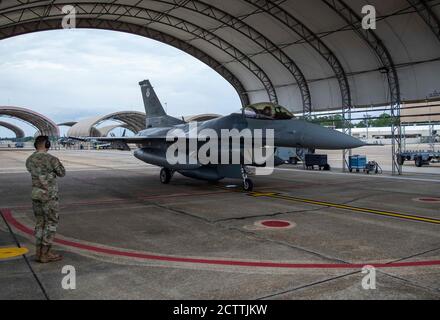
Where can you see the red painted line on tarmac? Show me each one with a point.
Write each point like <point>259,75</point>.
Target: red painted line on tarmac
<point>256,264</point>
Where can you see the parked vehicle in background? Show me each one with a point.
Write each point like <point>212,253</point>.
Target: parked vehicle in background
<point>420,158</point>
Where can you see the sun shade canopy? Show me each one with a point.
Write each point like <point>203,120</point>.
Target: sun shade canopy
<point>132,120</point>
<point>302,54</point>
<point>44,125</point>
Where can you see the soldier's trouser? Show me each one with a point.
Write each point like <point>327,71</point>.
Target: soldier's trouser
<point>46,214</point>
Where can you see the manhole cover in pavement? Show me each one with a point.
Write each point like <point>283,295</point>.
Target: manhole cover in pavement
<point>275,224</point>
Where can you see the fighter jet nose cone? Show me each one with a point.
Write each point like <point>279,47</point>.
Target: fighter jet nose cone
<point>320,137</point>
<point>351,143</point>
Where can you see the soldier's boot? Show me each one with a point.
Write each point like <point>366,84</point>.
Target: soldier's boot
<point>47,255</point>
<point>38,253</point>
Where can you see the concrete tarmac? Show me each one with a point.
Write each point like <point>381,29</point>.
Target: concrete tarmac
<point>300,235</point>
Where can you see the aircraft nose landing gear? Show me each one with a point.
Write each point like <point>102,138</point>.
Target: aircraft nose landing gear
<point>166,175</point>
<point>248,185</point>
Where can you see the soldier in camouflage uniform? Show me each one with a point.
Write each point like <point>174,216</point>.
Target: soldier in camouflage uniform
<point>44,169</point>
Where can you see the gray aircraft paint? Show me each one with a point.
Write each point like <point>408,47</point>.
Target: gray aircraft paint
<point>293,133</point>
<point>156,115</point>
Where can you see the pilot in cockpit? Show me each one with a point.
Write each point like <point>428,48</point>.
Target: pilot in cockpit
<point>267,111</point>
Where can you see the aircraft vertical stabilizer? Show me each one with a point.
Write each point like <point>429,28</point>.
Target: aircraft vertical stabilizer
<point>153,107</point>
<point>156,115</point>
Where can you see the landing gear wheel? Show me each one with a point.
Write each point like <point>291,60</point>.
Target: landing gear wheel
<point>248,185</point>
<point>165,175</point>
<point>418,162</point>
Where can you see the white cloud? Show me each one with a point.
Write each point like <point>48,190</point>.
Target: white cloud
<point>72,74</point>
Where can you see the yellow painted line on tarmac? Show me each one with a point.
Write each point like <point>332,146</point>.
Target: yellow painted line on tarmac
<point>275,195</point>
<point>6,253</point>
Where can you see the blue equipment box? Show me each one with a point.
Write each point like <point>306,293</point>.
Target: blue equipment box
<point>357,162</point>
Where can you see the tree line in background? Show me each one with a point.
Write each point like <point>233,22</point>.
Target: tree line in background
<point>25,139</point>
<point>336,121</point>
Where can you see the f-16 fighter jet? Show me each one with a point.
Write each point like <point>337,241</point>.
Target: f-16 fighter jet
<point>225,147</point>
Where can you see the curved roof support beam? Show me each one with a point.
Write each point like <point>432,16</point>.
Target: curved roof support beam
<point>428,15</point>
<point>388,67</point>
<point>277,12</point>
<point>196,31</point>
<point>43,124</point>
<point>19,133</point>
<point>150,16</point>
<point>43,25</point>
<point>132,120</point>
<point>374,42</point>
<point>258,38</point>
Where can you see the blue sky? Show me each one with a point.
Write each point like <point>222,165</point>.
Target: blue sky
<point>72,74</point>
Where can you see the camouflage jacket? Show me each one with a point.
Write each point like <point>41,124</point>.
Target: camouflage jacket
<point>44,169</point>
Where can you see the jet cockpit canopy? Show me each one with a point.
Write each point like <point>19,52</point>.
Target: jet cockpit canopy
<point>267,111</point>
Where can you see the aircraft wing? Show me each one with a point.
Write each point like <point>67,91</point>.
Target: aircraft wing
<point>135,139</point>
<point>120,143</point>
<point>127,140</point>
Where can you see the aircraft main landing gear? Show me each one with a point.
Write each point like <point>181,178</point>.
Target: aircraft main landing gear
<point>248,185</point>
<point>166,175</point>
